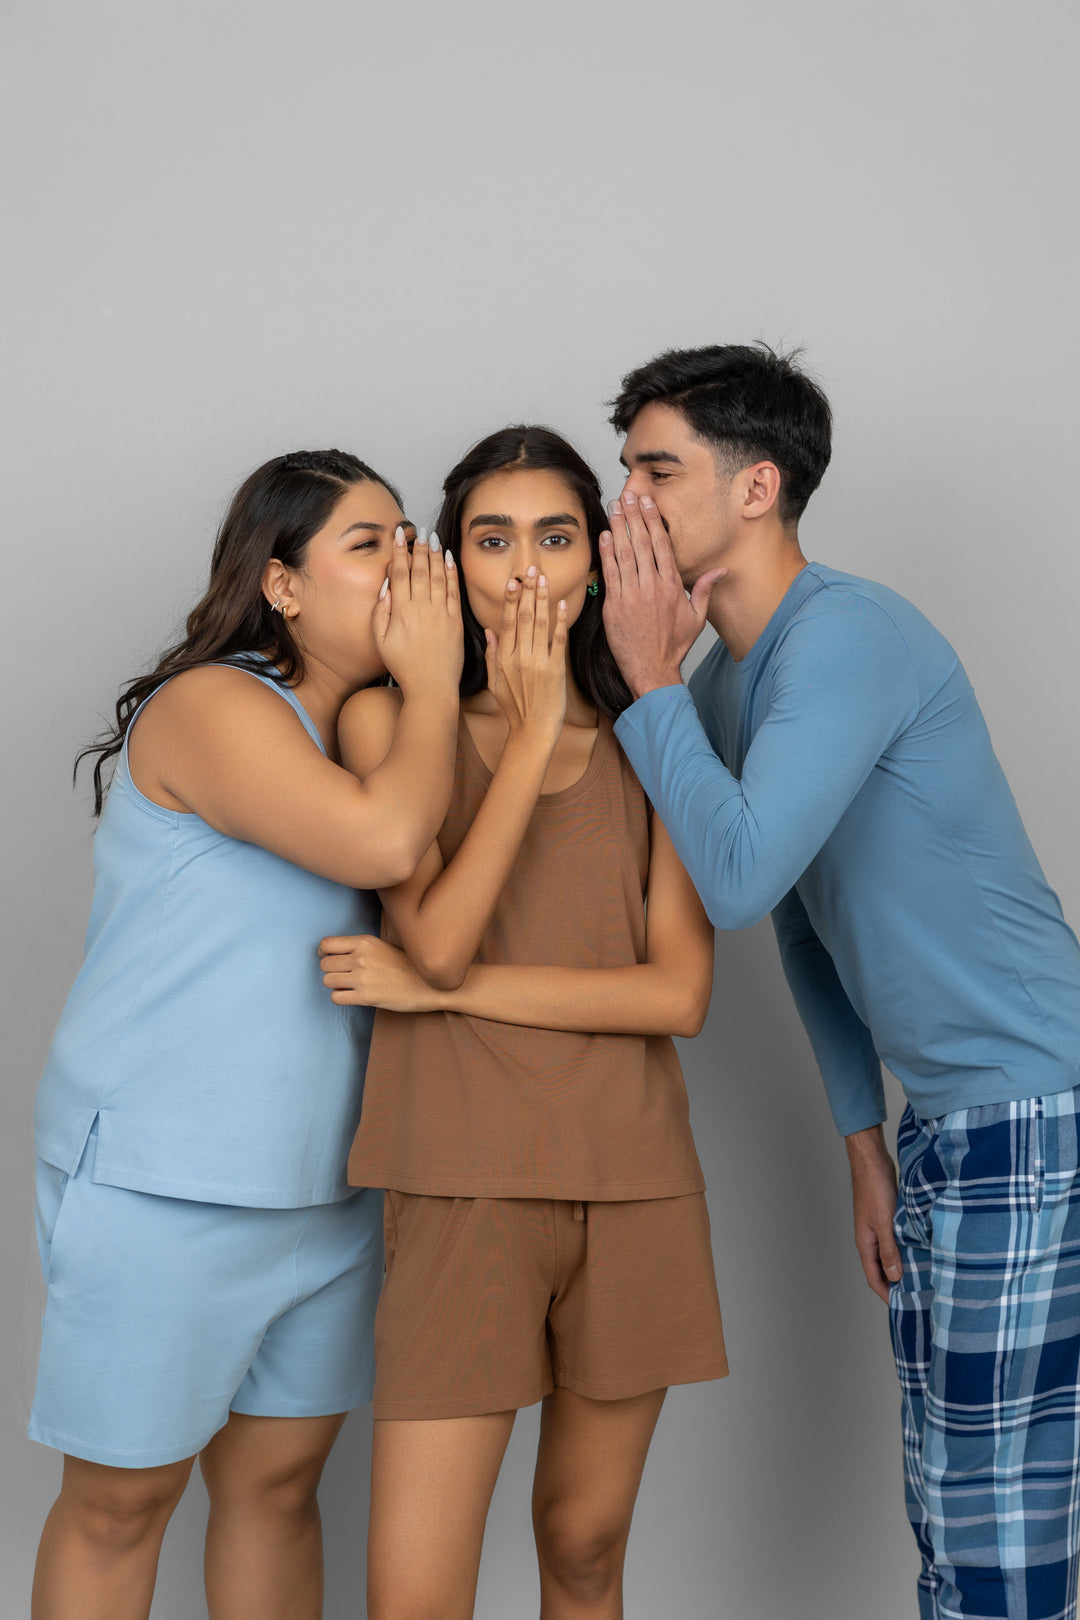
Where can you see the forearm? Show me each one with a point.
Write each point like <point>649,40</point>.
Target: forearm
<point>443,933</point>
<point>407,793</point>
<point>646,999</point>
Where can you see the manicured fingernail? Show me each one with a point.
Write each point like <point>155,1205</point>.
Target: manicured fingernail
<point>385,588</point>
<point>645,501</point>
<point>614,508</point>
<point>542,581</point>
<point>449,558</point>
<point>530,572</point>
<point>512,587</point>
<point>399,536</point>
<point>629,497</point>
<point>421,538</point>
<point>562,606</point>
<point>434,541</point>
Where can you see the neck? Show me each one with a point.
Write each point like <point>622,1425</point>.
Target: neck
<point>756,583</point>
<point>322,692</point>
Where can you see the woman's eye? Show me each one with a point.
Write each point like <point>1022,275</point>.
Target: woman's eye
<point>365,545</point>
<point>555,540</point>
<point>492,542</point>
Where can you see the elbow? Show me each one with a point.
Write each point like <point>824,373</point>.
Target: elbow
<point>395,862</point>
<point>730,912</point>
<point>440,972</point>
<point>691,1010</point>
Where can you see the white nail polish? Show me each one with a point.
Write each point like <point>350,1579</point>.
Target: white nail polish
<point>449,558</point>
<point>385,588</point>
<point>434,541</point>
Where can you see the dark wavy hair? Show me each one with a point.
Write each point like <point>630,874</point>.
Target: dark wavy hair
<point>274,513</point>
<point>749,403</point>
<point>538,449</point>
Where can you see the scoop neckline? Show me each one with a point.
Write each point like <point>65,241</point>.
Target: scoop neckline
<point>604,733</point>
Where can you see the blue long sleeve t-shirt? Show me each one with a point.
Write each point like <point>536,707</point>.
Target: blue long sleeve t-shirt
<point>841,777</point>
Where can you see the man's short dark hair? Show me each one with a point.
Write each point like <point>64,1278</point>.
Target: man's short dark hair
<point>747,403</point>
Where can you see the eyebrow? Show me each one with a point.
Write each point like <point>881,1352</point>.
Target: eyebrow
<point>376,528</point>
<point>502,520</point>
<point>645,458</point>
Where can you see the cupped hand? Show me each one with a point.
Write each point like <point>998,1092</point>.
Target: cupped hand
<point>650,622</point>
<point>361,970</point>
<point>417,619</point>
<point>526,661</point>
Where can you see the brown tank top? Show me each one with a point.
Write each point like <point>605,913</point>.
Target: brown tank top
<point>466,1107</point>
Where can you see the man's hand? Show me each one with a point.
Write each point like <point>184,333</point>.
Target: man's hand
<point>873,1188</point>
<point>650,622</point>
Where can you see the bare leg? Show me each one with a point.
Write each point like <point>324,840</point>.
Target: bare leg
<point>588,1470</point>
<point>431,1485</point>
<point>264,1538</point>
<point>99,1548</point>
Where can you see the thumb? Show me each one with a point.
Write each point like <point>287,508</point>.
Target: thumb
<point>699,596</point>
<point>491,644</point>
<point>380,613</point>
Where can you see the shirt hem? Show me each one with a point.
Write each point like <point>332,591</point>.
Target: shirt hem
<point>947,1104</point>
<point>583,1191</point>
<point>200,1192</point>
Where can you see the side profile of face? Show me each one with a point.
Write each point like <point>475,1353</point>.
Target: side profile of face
<point>329,600</point>
<point>519,518</point>
<point>666,461</point>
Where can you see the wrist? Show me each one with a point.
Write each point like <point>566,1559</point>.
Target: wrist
<point>432,693</point>
<point>866,1149</point>
<point>641,685</point>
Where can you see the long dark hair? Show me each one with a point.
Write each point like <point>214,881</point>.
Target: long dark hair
<point>274,513</point>
<point>534,449</point>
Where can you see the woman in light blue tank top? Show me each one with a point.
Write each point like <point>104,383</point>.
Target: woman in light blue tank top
<point>211,1276</point>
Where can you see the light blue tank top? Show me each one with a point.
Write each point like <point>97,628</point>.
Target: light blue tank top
<point>199,1033</point>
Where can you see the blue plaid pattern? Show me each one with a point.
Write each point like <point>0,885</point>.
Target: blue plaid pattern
<point>986,1333</point>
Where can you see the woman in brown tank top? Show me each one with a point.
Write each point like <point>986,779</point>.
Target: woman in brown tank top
<point>524,1107</point>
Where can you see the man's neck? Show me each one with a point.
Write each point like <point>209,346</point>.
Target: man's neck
<point>744,601</point>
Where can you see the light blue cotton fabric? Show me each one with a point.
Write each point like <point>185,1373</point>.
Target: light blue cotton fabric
<point>165,1314</point>
<point>199,1034</point>
<point>841,776</point>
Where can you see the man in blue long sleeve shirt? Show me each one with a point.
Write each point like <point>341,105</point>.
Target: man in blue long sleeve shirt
<point>830,765</point>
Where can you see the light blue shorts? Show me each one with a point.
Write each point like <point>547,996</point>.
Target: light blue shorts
<point>164,1315</point>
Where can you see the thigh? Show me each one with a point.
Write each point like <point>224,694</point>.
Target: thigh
<point>461,1325</point>
<point>156,1308</point>
<point>635,1306</point>
<point>592,1455</point>
<point>317,1358</point>
<point>431,1485</point>
<point>254,1456</point>
<point>1001,1432</point>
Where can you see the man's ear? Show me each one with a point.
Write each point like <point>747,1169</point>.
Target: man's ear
<point>277,589</point>
<point>760,489</point>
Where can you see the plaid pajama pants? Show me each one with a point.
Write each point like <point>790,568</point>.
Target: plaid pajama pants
<point>986,1333</point>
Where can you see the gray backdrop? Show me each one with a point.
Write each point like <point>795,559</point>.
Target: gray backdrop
<point>248,226</point>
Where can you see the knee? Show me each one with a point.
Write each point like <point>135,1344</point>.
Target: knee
<point>286,1493</point>
<point>582,1557</point>
<point>118,1516</point>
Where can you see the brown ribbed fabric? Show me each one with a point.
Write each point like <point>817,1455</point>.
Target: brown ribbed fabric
<point>465,1107</point>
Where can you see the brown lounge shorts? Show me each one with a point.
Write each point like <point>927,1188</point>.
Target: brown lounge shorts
<point>490,1303</point>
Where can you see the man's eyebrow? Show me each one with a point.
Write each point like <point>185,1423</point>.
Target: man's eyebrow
<point>644,458</point>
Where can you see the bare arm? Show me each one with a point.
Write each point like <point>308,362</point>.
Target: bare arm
<point>668,994</point>
<point>229,750</point>
<point>441,913</point>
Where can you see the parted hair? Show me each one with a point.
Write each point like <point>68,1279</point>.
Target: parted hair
<point>748,403</point>
<point>274,513</point>
<point>538,448</point>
